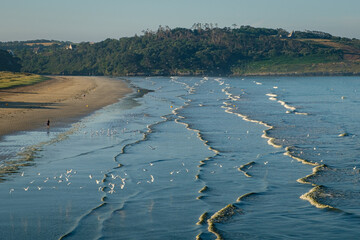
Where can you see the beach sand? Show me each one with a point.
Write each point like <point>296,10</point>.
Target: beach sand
<point>62,100</point>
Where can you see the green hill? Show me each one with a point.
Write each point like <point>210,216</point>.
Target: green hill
<point>201,50</point>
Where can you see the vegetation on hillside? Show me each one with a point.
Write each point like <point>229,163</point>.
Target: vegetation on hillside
<point>8,62</point>
<point>203,49</point>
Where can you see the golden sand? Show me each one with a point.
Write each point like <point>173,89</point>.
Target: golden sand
<point>62,99</point>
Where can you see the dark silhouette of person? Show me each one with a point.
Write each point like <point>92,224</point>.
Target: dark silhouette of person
<point>48,123</point>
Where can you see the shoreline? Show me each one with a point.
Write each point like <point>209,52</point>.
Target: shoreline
<point>255,74</point>
<point>61,99</point>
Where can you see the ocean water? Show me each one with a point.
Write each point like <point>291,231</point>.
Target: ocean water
<point>193,158</point>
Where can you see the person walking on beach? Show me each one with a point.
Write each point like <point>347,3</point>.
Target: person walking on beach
<point>48,123</point>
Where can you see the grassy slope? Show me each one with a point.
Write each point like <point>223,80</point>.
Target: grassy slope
<point>312,65</point>
<point>9,79</point>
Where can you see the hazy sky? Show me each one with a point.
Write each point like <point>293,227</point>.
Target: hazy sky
<point>96,20</point>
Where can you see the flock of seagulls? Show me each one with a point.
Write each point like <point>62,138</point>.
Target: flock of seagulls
<point>62,178</point>
<point>108,183</point>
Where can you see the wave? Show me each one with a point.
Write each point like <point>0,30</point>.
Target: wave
<point>181,120</point>
<point>204,189</point>
<point>203,218</point>
<point>310,196</point>
<point>290,153</point>
<point>247,195</point>
<point>246,166</point>
<point>246,118</point>
<point>222,216</point>
<point>291,109</point>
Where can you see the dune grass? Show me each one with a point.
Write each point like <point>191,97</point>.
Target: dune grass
<point>10,79</point>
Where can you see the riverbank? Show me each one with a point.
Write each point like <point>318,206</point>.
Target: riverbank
<point>61,99</point>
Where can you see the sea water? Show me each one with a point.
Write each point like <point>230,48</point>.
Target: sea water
<point>193,158</point>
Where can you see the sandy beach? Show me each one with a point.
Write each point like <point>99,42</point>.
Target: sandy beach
<point>62,99</point>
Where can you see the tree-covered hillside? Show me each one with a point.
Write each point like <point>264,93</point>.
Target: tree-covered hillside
<point>203,49</point>
<point>8,62</point>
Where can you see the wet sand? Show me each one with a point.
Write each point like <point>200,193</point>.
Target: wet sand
<point>62,100</point>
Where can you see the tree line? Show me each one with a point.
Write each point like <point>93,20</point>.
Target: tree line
<point>202,49</point>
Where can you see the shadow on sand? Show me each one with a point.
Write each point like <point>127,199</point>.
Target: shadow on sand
<point>28,105</point>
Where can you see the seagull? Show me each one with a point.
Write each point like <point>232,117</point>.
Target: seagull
<point>97,181</point>
<point>123,180</point>
<point>90,176</point>
<point>39,188</point>
<point>27,188</point>
<point>11,190</point>
<point>152,148</point>
<point>22,174</point>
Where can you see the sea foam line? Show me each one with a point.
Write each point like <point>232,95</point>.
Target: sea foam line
<point>197,131</point>
<point>246,118</point>
<point>204,218</point>
<point>247,166</point>
<point>291,109</point>
<point>222,216</point>
<point>307,196</point>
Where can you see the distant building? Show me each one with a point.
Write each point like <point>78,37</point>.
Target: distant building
<point>291,35</point>
<point>70,47</point>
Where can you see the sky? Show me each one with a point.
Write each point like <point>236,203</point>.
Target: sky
<point>97,20</point>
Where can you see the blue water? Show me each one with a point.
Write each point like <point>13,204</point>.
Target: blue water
<point>188,158</point>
